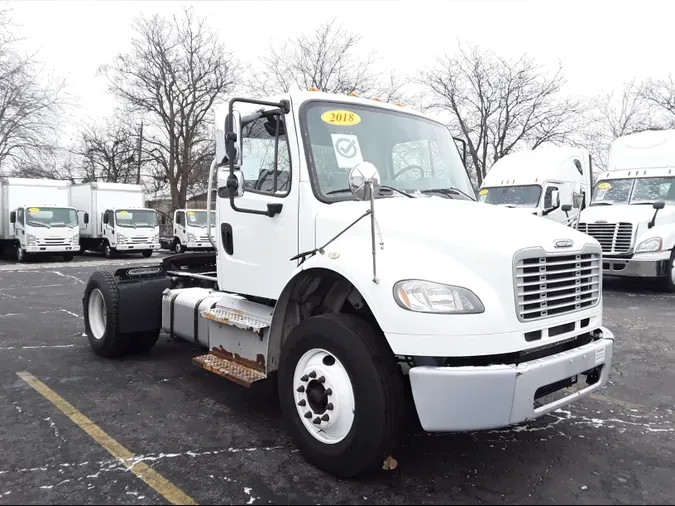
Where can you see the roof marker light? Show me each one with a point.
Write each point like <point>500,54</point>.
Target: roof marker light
<point>313,89</point>
<point>352,94</point>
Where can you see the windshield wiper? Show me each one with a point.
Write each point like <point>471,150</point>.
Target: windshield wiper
<point>450,190</point>
<point>37,224</point>
<point>343,190</point>
<point>602,203</point>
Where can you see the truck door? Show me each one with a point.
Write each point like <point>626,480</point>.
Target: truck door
<point>179,226</point>
<point>255,249</point>
<point>108,231</point>
<point>19,231</point>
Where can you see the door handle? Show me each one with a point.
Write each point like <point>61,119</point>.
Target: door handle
<point>226,236</point>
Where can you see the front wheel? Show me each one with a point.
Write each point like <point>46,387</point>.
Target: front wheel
<point>108,251</point>
<point>21,255</point>
<point>670,273</point>
<point>179,248</point>
<point>68,257</point>
<point>147,253</point>
<point>341,393</point>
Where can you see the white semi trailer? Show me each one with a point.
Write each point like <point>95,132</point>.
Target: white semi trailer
<point>119,220</point>
<point>632,212</point>
<point>36,218</point>
<point>554,182</point>
<point>352,259</point>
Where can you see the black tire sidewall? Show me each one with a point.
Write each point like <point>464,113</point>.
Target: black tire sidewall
<point>361,449</point>
<point>670,286</point>
<point>112,343</point>
<point>147,254</point>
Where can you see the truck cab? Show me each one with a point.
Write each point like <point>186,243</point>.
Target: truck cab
<point>37,219</point>
<point>190,230</point>
<point>553,182</point>
<point>632,211</point>
<point>353,263</point>
<point>130,229</point>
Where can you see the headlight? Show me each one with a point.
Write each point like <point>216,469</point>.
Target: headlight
<point>191,237</point>
<point>30,238</point>
<point>121,238</point>
<point>76,238</point>
<point>649,246</point>
<point>428,297</point>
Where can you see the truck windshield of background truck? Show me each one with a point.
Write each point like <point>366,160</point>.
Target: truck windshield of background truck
<point>653,189</point>
<point>198,218</point>
<point>49,217</point>
<point>136,218</point>
<point>410,153</point>
<point>517,196</point>
<point>612,191</point>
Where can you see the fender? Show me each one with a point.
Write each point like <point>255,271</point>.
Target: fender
<point>666,232</point>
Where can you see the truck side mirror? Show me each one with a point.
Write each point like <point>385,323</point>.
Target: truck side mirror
<point>359,176</point>
<point>555,199</point>
<point>567,208</point>
<point>235,183</point>
<point>12,217</point>
<point>659,205</point>
<point>105,218</point>
<point>86,218</point>
<point>233,141</point>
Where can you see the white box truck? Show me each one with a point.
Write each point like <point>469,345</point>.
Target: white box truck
<point>360,288</point>
<point>554,182</point>
<point>632,212</point>
<point>190,230</point>
<point>118,218</point>
<point>36,218</point>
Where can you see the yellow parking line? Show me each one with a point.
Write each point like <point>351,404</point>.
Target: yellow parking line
<point>151,477</point>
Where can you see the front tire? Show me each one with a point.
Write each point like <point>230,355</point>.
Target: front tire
<point>68,257</point>
<point>669,282</point>
<point>108,251</point>
<point>101,303</point>
<point>147,253</point>
<point>341,394</point>
<point>21,255</point>
<point>178,248</point>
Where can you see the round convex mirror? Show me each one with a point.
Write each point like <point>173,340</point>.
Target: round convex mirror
<point>359,177</point>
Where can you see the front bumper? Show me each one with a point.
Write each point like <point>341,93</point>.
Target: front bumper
<point>60,248</point>
<point>642,265</point>
<point>450,399</point>
<point>137,246</point>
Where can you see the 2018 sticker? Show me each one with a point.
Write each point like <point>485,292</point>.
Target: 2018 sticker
<point>341,117</point>
<point>483,192</point>
<point>190,213</point>
<point>34,210</point>
<point>122,213</point>
<point>604,186</point>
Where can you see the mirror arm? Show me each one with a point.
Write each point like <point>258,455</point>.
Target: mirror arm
<point>652,222</point>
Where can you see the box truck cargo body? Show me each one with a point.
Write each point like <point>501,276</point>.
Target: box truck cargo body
<point>37,219</point>
<point>119,220</point>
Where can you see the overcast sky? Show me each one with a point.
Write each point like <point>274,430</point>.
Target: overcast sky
<point>601,43</point>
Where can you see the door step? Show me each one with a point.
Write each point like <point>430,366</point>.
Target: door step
<point>229,369</point>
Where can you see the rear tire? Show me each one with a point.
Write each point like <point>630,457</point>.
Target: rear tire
<point>101,316</point>
<point>363,394</point>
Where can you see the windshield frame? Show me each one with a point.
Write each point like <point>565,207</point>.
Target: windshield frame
<point>309,154</point>
<point>117,223</point>
<point>516,206</point>
<point>199,211</point>
<point>26,215</point>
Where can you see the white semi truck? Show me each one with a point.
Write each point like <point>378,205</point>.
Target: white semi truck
<point>353,264</point>
<point>191,231</point>
<point>554,182</point>
<point>119,220</point>
<point>36,218</point>
<point>632,212</point>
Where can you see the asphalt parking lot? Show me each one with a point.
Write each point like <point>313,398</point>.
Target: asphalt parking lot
<point>217,442</point>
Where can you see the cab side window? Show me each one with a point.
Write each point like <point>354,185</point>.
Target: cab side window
<point>179,218</point>
<point>258,139</point>
<point>19,216</point>
<point>111,218</point>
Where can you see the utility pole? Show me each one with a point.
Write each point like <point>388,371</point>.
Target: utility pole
<point>140,146</point>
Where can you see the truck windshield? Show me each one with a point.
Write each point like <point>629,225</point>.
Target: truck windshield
<point>134,218</point>
<point>613,191</point>
<point>51,217</point>
<point>411,153</point>
<point>517,196</point>
<point>198,218</point>
<point>653,189</point>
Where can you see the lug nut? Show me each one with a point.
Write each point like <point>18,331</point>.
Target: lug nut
<point>308,414</point>
<point>312,374</point>
<point>300,389</point>
<point>304,378</point>
<point>316,421</point>
<point>302,403</point>
<point>330,406</point>
<point>322,379</point>
<point>325,418</point>
<point>329,391</point>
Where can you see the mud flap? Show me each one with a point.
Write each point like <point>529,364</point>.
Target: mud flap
<point>140,292</point>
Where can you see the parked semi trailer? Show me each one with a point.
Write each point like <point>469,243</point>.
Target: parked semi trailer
<point>353,263</point>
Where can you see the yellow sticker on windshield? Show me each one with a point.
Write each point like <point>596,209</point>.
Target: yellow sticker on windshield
<point>122,213</point>
<point>190,213</point>
<point>34,210</point>
<point>604,186</point>
<point>341,117</point>
<point>483,191</point>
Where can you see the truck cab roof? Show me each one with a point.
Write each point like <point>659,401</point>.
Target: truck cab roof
<point>651,149</point>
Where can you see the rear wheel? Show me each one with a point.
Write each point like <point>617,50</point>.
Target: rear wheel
<point>341,394</point>
<point>670,273</point>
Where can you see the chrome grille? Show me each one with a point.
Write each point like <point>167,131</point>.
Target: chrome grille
<point>53,241</point>
<point>613,237</point>
<point>139,240</point>
<point>553,285</point>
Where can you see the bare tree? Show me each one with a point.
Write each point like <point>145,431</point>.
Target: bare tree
<point>175,72</point>
<point>498,105</point>
<point>29,106</point>
<point>327,60</point>
<point>660,94</point>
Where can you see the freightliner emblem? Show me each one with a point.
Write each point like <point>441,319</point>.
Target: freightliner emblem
<point>563,243</point>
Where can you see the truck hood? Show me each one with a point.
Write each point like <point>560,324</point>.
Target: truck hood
<point>449,225</point>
